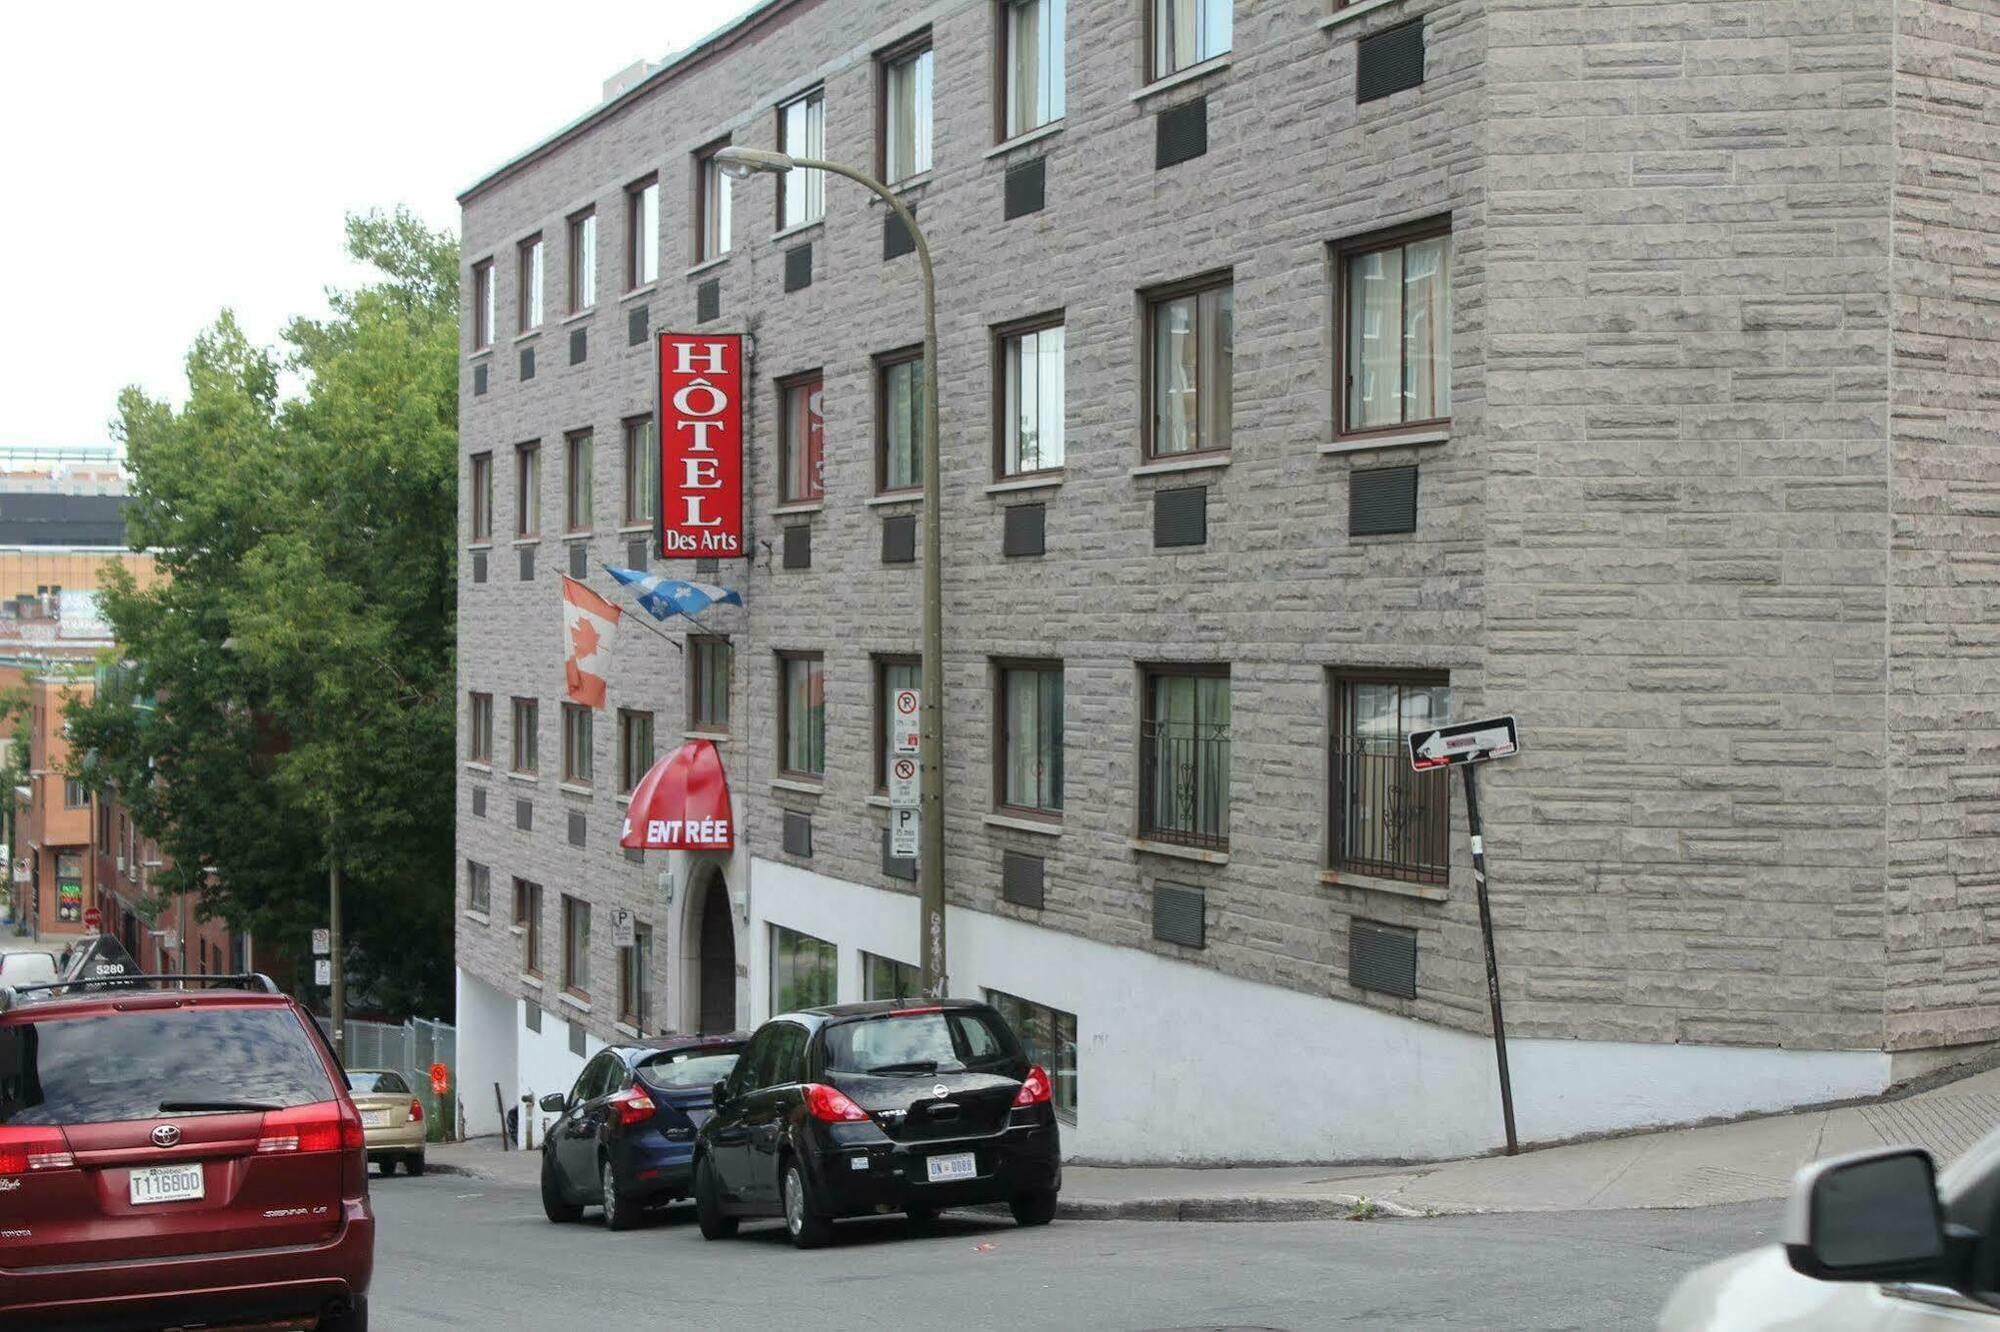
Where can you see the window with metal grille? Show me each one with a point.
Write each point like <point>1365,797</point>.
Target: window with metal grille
<point>1184,756</point>
<point>1385,820</point>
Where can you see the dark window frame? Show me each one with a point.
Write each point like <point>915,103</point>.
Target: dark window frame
<point>575,951</point>
<point>635,982</point>
<point>640,446</point>
<point>1152,299</point>
<point>817,91</point>
<point>711,236</point>
<point>485,305</point>
<point>527,464</point>
<point>629,771</point>
<point>582,284</point>
<point>532,709</point>
<point>1149,828</point>
<point>531,252</point>
<point>478,887</point>
<point>636,230</point>
<point>528,920</point>
<point>1002,336</point>
<point>579,760</point>
<point>1002,667</point>
<point>784,659</point>
<point>787,386</point>
<point>1395,764</point>
<point>480,731</point>
<point>480,482</point>
<point>1003,64</point>
<point>879,666</point>
<point>701,716</point>
<point>903,49</point>
<point>1341,253</point>
<point>588,439</point>
<point>1150,12</point>
<point>884,362</point>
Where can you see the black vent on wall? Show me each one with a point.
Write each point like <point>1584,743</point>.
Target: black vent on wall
<point>579,560</point>
<point>897,867</point>
<point>637,321</point>
<point>527,362</point>
<point>579,345</point>
<point>799,267</point>
<point>635,553</point>
<point>1382,958</point>
<point>1181,133</point>
<point>1180,517</point>
<point>576,1045</point>
<point>1178,912</point>
<point>479,802</point>
<point>799,546</point>
<point>478,381</point>
<point>524,815</point>
<point>1026,185</point>
<point>1025,529</point>
<point>1389,62</point>
<point>896,238</point>
<point>578,827</point>
<point>635,855</point>
<point>899,539</point>
<point>708,301</point>
<point>527,564</point>
<point>478,566</point>
<point>1021,879</point>
<point>798,833</point>
<point>702,568</point>
<point>531,1014</point>
<point>1382,500</point>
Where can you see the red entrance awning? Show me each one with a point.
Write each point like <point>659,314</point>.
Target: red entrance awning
<point>682,804</point>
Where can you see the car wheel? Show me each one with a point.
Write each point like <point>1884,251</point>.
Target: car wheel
<point>387,1165</point>
<point>1034,1209</point>
<point>708,1204</point>
<point>619,1213</point>
<point>921,1218</point>
<point>808,1229</point>
<point>414,1164</point>
<point>354,1320</point>
<point>554,1205</point>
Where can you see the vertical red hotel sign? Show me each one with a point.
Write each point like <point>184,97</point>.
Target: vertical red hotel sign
<point>701,446</point>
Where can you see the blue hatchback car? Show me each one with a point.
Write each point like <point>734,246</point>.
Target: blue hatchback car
<point>624,1139</point>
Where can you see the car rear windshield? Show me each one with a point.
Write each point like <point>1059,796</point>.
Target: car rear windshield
<point>118,1066</point>
<point>916,1043</point>
<point>685,1070</point>
<point>366,1084</point>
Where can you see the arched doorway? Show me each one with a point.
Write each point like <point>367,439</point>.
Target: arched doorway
<point>714,939</point>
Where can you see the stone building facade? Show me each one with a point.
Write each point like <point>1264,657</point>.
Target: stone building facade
<point>1707,505</point>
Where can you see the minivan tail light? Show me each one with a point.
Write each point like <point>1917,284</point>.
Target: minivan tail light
<point>830,1105</point>
<point>1034,1088</point>
<point>24,1150</point>
<point>632,1106</point>
<point>321,1127</point>
<point>416,1112</point>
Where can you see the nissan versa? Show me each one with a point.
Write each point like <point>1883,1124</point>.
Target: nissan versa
<point>898,1106</point>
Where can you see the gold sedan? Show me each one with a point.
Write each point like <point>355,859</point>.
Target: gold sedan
<point>392,1118</point>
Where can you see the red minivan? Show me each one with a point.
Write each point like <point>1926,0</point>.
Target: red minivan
<point>176,1157</point>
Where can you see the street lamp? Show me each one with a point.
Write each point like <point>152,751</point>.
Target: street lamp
<point>742,163</point>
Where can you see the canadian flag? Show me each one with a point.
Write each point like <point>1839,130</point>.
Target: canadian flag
<point>589,624</point>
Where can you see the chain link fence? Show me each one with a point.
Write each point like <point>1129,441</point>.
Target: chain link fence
<point>410,1049</point>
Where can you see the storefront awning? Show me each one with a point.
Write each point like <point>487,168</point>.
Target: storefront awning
<point>682,804</point>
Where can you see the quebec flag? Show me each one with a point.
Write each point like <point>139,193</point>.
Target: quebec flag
<point>664,598</point>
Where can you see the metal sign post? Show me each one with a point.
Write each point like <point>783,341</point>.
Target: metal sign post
<point>1465,746</point>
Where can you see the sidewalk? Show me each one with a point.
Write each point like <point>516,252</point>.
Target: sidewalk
<point>1695,1167</point>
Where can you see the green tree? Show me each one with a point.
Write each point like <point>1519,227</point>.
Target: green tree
<point>291,675</point>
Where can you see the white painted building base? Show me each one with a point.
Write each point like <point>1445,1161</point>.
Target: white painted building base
<point>1177,1063</point>
<point>496,1046</point>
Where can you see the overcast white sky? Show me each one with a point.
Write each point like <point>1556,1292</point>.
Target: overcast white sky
<point>162,161</point>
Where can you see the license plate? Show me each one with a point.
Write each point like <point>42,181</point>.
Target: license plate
<point>375,1118</point>
<point>959,1165</point>
<point>157,1184</point>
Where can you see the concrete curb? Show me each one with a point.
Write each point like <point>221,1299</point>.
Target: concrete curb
<point>1247,1208</point>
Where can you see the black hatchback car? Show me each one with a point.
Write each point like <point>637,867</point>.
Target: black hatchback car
<point>625,1138</point>
<point>898,1106</point>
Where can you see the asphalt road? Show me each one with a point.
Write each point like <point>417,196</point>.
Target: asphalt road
<point>458,1252</point>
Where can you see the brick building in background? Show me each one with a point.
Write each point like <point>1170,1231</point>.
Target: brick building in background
<point>1309,372</point>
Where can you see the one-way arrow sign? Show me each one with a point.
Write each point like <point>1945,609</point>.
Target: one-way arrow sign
<point>1467,742</point>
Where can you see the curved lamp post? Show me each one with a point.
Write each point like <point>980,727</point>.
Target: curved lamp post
<point>742,163</point>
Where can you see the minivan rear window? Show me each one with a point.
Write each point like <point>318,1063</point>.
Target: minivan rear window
<point>917,1043</point>
<point>105,1068</point>
<point>685,1070</point>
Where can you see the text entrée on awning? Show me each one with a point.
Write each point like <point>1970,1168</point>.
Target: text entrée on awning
<point>681,804</point>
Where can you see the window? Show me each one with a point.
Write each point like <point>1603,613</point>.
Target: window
<point>478,888</point>
<point>528,490</point>
<point>528,919</point>
<point>479,742</point>
<point>576,945</point>
<point>1184,757</point>
<point>1048,1037</point>
<point>482,497</point>
<point>1395,316</point>
<point>642,472</point>
<point>1031,400</point>
<point>1190,368</point>
<point>886,978</point>
<point>899,406</point>
<point>802,971</point>
<point>802,714</point>
<point>1031,65</point>
<point>1386,820</point>
<point>801,440</point>
<point>578,449</point>
<point>635,748</point>
<point>642,232</point>
<point>583,261</point>
<point>577,737</point>
<point>482,305</point>
<point>74,796</point>
<point>530,292</point>
<point>527,720</point>
<point>708,683</point>
<point>802,133</point>
<point>891,674</point>
<point>906,112</point>
<point>1031,737</point>
<point>635,985</point>
<point>1187,32</point>
<point>711,205</point>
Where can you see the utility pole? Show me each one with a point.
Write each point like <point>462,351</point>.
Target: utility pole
<point>337,965</point>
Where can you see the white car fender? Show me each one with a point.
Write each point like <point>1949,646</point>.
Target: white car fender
<point>1759,1292</point>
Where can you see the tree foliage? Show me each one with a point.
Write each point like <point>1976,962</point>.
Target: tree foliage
<point>289,680</point>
